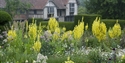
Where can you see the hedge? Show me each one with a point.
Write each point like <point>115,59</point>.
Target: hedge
<point>68,25</point>
<point>110,23</point>
<point>87,19</point>
<point>4,17</point>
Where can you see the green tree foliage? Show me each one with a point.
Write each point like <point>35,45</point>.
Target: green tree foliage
<point>107,8</point>
<point>13,6</point>
<point>81,10</point>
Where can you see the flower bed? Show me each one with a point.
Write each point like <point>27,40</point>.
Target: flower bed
<point>31,43</point>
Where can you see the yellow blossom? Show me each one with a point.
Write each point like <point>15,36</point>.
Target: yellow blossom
<point>115,31</point>
<point>11,34</point>
<point>123,57</point>
<point>99,29</point>
<point>69,61</point>
<point>56,34</point>
<point>37,45</point>
<point>66,35</point>
<point>86,27</point>
<point>25,36</point>
<point>32,31</point>
<point>64,29</point>
<point>52,24</point>
<point>78,30</point>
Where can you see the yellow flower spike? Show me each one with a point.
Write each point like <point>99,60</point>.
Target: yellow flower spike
<point>115,31</point>
<point>37,45</point>
<point>86,27</point>
<point>52,24</point>
<point>68,60</point>
<point>32,31</point>
<point>64,29</point>
<point>11,34</point>
<point>78,31</point>
<point>99,29</point>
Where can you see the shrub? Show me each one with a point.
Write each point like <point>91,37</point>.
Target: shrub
<point>110,22</point>
<point>4,17</point>
<point>86,18</point>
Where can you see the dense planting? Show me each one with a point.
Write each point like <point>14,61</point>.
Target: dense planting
<point>31,43</point>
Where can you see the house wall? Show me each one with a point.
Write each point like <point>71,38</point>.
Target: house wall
<point>49,4</point>
<point>68,9</point>
<point>36,13</point>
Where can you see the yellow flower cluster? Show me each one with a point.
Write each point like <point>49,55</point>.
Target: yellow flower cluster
<point>69,61</point>
<point>37,45</point>
<point>99,29</point>
<point>32,31</point>
<point>56,34</point>
<point>11,34</point>
<point>78,30</point>
<point>52,24</point>
<point>115,31</point>
<point>66,35</point>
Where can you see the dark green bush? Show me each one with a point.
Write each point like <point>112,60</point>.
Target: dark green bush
<point>36,19</point>
<point>4,17</point>
<point>87,19</point>
<point>110,23</point>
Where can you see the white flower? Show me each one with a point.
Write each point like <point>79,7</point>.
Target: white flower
<point>26,61</point>
<point>34,61</point>
<point>42,58</point>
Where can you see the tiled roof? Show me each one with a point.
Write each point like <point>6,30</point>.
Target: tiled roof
<point>61,4</point>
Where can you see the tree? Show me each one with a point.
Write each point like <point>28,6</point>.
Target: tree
<point>81,10</point>
<point>107,8</point>
<point>12,6</point>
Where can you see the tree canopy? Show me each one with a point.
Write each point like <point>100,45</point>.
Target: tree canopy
<point>12,6</point>
<point>110,9</point>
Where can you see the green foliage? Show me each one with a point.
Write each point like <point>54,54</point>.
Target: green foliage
<point>86,18</point>
<point>95,56</point>
<point>12,6</point>
<point>82,10</point>
<point>110,22</point>
<point>109,9</point>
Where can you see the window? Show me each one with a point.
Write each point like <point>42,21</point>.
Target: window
<point>72,8</point>
<point>50,11</point>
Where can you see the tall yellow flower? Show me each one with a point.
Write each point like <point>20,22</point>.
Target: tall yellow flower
<point>115,31</point>
<point>78,30</point>
<point>11,34</point>
<point>32,31</point>
<point>99,29</point>
<point>56,34</point>
<point>86,27</point>
<point>52,24</point>
<point>66,35</point>
<point>69,61</point>
<point>37,45</point>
